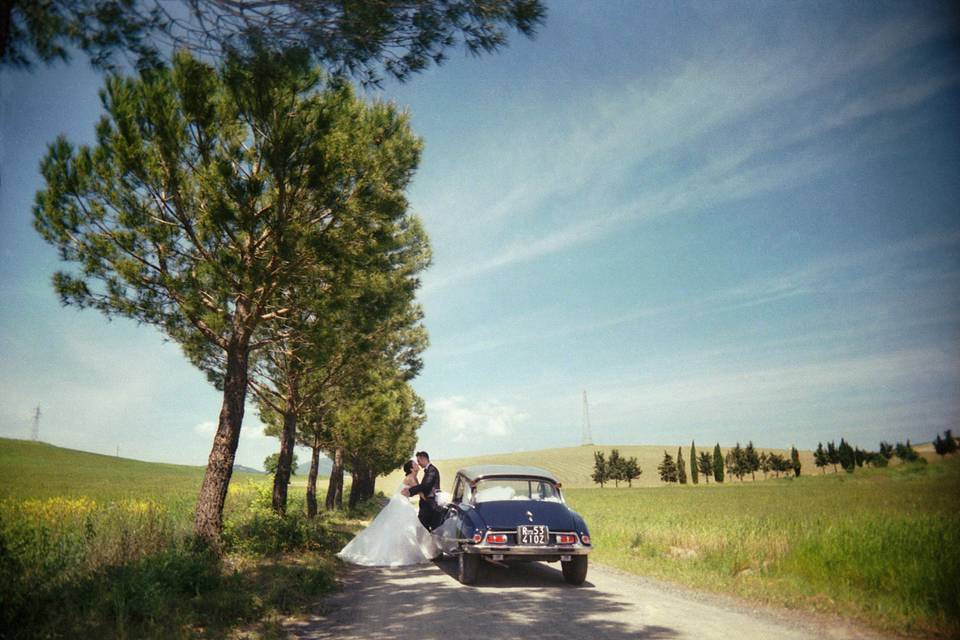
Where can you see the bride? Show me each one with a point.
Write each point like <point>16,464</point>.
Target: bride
<point>395,537</point>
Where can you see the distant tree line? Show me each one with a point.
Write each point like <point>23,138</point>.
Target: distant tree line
<point>742,461</point>
<point>849,458</point>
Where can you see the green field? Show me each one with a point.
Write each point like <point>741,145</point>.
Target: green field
<point>880,546</point>
<point>98,546</point>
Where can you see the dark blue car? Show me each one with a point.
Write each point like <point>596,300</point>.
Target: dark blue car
<point>505,514</point>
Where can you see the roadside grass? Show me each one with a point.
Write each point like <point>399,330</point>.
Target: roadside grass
<point>95,546</point>
<point>881,546</point>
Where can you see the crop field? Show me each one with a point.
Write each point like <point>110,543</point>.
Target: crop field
<point>98,546</point>
<point>881,546</point>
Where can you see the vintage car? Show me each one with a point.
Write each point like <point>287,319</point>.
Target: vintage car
<point>506,514</point>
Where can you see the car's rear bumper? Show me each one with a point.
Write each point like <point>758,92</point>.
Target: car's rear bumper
<point>538,552</point>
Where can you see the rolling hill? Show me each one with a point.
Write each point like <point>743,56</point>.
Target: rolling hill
<point>39,470</point>
<point>574,465</point>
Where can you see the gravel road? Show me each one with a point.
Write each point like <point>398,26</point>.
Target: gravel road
<point>531,601</point>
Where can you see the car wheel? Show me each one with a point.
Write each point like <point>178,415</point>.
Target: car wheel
<point>468,566</point>
<point>575,569</point>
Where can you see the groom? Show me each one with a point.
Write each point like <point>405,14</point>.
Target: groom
<point>430,514</point>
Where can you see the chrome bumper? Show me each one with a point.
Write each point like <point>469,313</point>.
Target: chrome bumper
<point>506,550</point>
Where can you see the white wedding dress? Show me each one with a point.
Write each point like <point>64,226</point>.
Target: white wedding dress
<point>395,538</point>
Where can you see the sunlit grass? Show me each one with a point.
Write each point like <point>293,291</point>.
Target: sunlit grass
<point>96,546</point>
<point>882,546</point>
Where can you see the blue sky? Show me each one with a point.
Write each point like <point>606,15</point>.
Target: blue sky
<point>724,221</point>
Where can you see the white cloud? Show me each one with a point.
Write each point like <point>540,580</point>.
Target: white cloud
<point>459,419</point>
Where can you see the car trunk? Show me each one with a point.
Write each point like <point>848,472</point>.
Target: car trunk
<point>508,514</point>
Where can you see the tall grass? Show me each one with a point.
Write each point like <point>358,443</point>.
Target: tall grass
<point>115,556</point>
<point>882,546</point>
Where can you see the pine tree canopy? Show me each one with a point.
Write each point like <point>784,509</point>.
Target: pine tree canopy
<point>363,39</point>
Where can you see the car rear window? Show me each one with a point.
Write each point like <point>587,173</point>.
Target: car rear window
<point>496,489</point>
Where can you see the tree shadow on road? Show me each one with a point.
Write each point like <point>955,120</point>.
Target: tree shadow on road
<point>427,603</point>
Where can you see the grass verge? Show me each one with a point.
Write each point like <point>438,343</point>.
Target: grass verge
<point>109,565</point>
<point>879,546</point>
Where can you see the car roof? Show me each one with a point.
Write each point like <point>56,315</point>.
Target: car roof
<point>476,472</point>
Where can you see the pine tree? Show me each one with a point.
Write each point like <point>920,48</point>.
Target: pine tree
<point>681,467</point>
<point>694,472</point>
<point>705,462</point>
<point>820,458</point>
<point>631,470</point>
<point>667,468</point>
<point>736,462</point>
<point>833,455</point>
<point>600,471</point>
<point>717,463</point>
<point>615,467</point>
<point>208,195</point>
<point>364,39</point>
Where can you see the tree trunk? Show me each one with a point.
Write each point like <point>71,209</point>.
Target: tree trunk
<point>335,486</point>
<point>312,482</point>
<point>281,479</point>
<point>358,474</point>
<point>371,485</point>
<point>208,520</point>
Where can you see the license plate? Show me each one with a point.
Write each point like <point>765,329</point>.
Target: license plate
<point>533,534</point>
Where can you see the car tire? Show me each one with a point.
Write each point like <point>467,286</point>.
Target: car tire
<point>575,570</point>
<point>468,566</point>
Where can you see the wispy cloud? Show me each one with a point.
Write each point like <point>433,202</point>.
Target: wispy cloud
<point>847,273</point>
<point>716,131</point>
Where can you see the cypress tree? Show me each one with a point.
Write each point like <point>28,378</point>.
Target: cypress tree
<point>717,463</point>
<point>795,461</point>
<point>752,460</point>
<point>694,475</point>
<point>681,467</point>
<point>846,456</point>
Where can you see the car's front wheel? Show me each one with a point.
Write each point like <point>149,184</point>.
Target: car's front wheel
<point>468,566</point>
<point>575,569</point>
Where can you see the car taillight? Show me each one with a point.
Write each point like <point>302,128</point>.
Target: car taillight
<point>566,538</point>
<point>585,539</point>
<point>477,538</point>
<point>497,538</point>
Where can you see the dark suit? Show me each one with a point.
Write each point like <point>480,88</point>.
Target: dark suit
<point>430,514</point>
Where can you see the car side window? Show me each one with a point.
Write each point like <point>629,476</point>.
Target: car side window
<point>458,491</point>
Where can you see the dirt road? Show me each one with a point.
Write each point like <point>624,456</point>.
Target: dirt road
<point>532,601</point>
